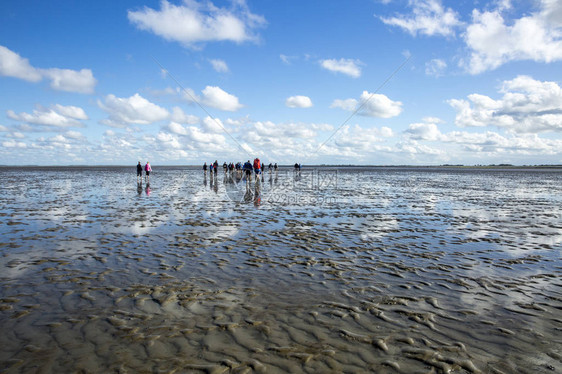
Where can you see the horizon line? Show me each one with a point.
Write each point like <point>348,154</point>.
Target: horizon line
<point>502,165</point>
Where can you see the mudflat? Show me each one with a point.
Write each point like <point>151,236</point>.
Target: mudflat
<point>390,270</point>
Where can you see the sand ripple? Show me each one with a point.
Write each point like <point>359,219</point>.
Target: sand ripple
<point>393,271</point>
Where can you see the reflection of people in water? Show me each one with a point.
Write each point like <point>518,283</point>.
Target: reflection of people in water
<point>257,194</point>
<point>205,179</point>
<point>248,195</point>
<point>139,187</point>
<point>147,190</point>
<point>238,175</point>
<point>139,172</point>
<point>215,184</point>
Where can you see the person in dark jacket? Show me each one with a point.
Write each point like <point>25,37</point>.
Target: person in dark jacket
<point>139,172</point>
<point>248,169</point>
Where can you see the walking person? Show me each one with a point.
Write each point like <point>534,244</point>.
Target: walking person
<point>247,168</point>
<point>257,166</point>
<point>205,168</point>
<point>139,172</point>
<point>147,170</point>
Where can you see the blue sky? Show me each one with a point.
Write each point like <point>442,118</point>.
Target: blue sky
<point>339,82</point>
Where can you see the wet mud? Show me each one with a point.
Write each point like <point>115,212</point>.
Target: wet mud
<point>328,271</point>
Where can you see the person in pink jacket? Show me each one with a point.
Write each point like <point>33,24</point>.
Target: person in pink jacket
<point>147,170</point>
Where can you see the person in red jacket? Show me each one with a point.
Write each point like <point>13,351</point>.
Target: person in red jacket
<point>257,166</point>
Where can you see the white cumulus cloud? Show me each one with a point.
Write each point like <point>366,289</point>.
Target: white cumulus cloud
<point>494,41</point>
<point>82,81</point>
<point>494,36</point>
<point>298,102</point>
<point>13,65</point>
<point>193,22</point>
<point>527,106</point>
<point>71,111</point>
<point>344,66</point>
<point>424,131</point>
<point>218,98</point>
<point>57,116</point>
<point>131,110</point>
<point>177,128</point>
<point>370,105</point>
<point>428,17</point>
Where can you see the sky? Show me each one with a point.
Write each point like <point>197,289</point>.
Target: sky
<point>367,82</point>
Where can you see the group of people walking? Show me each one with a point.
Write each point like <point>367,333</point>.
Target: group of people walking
<point>241,168</point>
<point>257,167</point>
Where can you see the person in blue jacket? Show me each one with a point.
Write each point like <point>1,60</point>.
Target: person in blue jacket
<point>247,169</point>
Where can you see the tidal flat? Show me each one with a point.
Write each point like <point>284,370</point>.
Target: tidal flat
<point>333,270</point>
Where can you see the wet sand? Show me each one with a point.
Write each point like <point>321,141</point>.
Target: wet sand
<point>370,270</point>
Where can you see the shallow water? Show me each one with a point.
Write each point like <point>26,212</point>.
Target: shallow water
<point>390,270</point>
